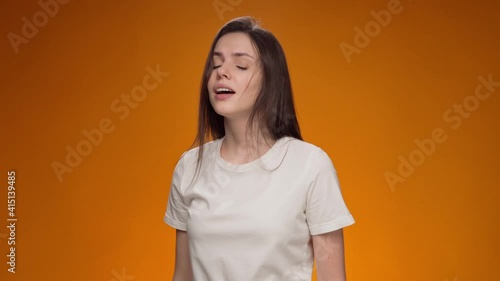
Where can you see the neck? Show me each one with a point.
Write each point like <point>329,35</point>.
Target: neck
<point>240,145</point>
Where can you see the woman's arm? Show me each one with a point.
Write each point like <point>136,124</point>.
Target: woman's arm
<point>182,271</point>
<point>329,256</point>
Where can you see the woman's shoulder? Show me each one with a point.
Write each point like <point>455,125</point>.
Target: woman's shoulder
<point>311,154</point>
<point>191,154</point>
<point>304,147</point>
<point>306,151</point>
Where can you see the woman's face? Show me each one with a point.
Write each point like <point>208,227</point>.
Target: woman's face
<point>236,78</point>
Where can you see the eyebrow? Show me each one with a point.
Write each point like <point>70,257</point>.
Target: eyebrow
<point>237,54</point>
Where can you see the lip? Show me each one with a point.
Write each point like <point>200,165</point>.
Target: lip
<point>220,85</point>
<point>223,96</point>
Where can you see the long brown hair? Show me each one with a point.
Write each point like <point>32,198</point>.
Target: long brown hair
<point>274,106</point>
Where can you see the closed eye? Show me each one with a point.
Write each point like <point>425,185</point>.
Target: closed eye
<point>240,67</point>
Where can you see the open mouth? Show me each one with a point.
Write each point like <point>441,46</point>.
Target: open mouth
<point>224,91</point>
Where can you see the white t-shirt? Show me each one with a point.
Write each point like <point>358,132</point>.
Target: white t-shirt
<point>254,221</point>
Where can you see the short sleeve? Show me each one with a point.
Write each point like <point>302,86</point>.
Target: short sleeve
<point>325,208</point>
<point>176,214</point>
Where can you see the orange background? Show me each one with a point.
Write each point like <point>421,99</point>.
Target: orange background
<point>107,214</point>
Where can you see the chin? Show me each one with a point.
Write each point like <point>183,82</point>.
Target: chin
<point>223,113</point>
<point>228,110</point>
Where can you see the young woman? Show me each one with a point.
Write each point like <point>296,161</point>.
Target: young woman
<point>254,202</point>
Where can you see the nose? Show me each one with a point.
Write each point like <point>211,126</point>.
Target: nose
<point>222,71</point>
